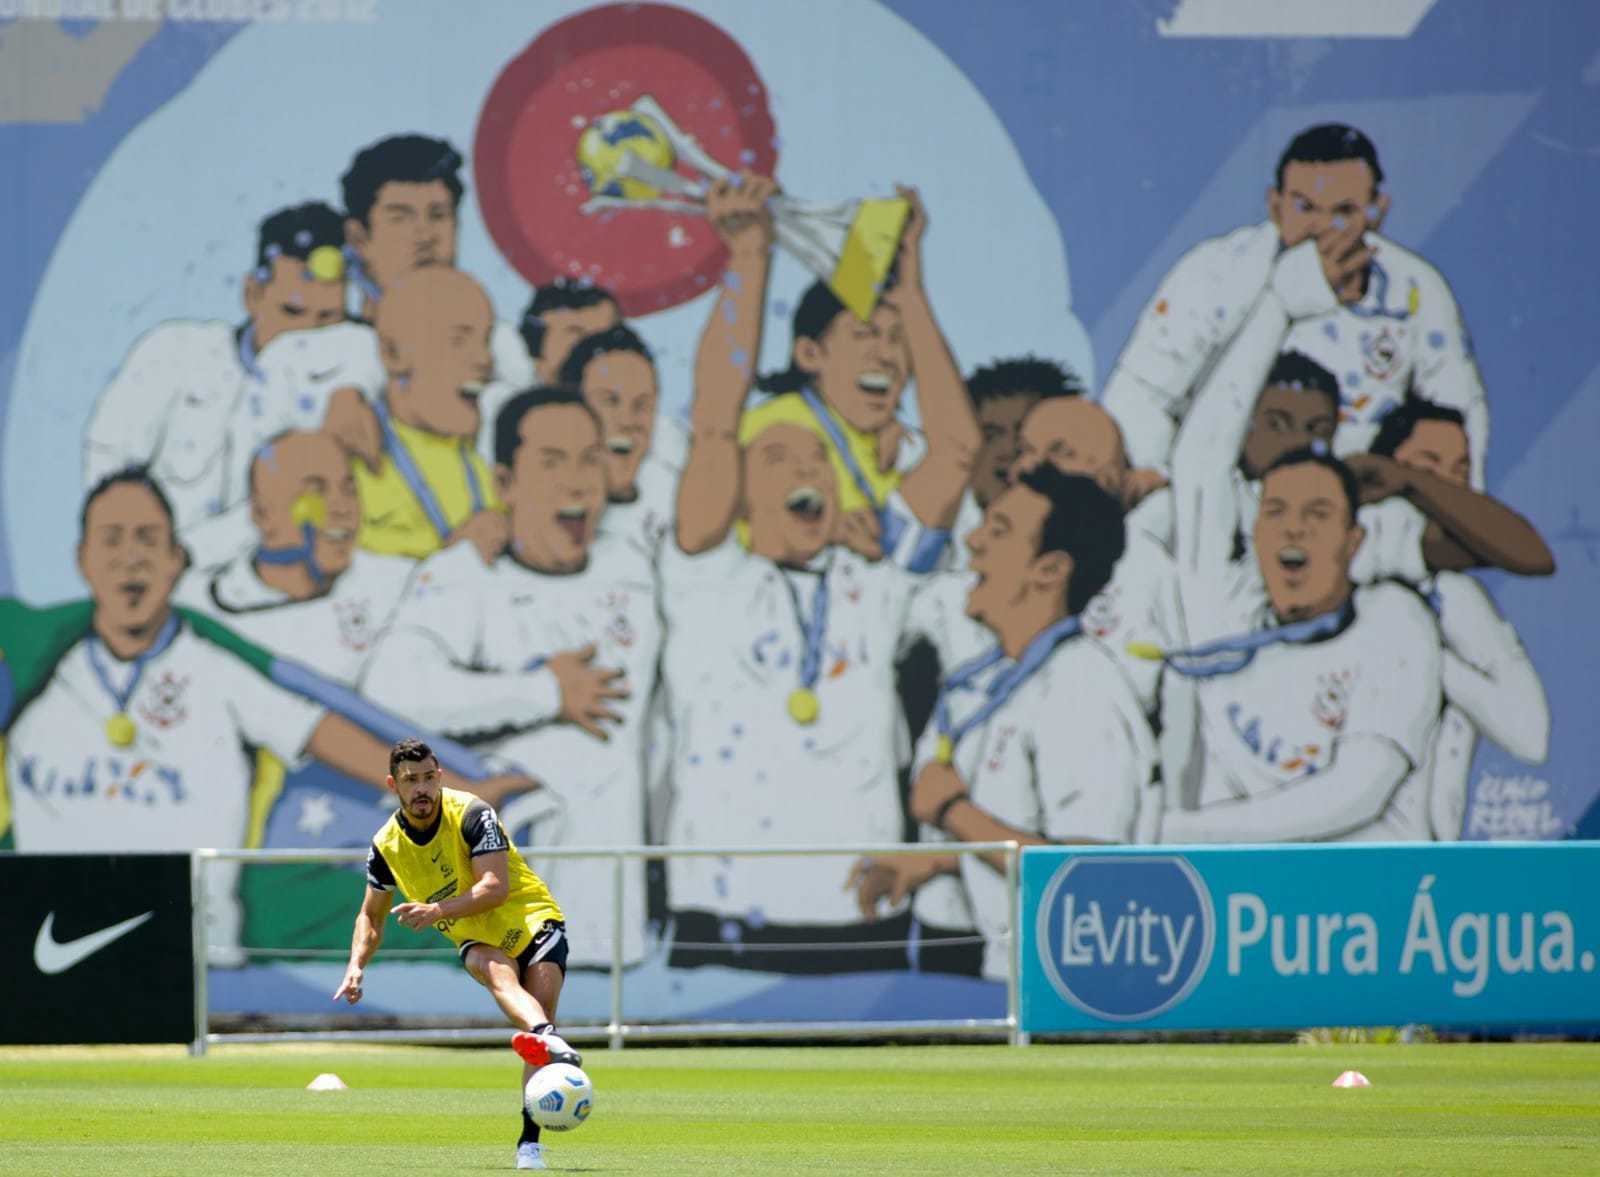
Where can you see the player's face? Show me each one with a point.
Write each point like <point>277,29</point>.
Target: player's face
<point>1319,196</point>
<point>442,358</point>
<point>411,225</point>
<point>556,488</point>
<point>563,328</point>
<point>1305,539</point>
<point>129,558</point>
<point>1285,420</point>
<point>620,387</point>
<point>291,299</point>
<point>417,783</point>
<point>1000,420</point>
<point>1439,447</point>
<point>1076,436</point>
<point>305,478</point>
<point>859,368</point>
<point>1005,552</point>
<point>790,494</point>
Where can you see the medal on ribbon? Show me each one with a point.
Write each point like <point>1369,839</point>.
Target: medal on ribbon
<point>1000,688</point>
<point>804,706</point>
<point>121,730</point>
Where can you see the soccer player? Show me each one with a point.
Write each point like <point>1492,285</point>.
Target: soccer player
<point>617,376</point>
<point>402,205</point>
<point>1490,684</point>
<point>1040,738</point>
<point>779,656</point>
<point>1384,319</point>
<point>144,736</point>
<point>545,657</point>
<point>303,588</point>
<point>449,856</point>
<point>849,376</point>
<point>432,487</point>
<point>1318,709</point>
<point>174,403</point>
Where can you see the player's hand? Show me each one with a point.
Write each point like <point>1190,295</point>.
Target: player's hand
<point>587,690</point>
<point>417,916</point>
<point>353,423</point>
<point>489,531</point>
<point>1141,483</point>
<point>860,531</point>
<point>908,259</point>
<point>935,785</point>
<point>497,788</point>
<point>1377,477</point>
<point>350,987</point>
<point>1345,255</point>
<point>894,878</point>
<point>737,207</point>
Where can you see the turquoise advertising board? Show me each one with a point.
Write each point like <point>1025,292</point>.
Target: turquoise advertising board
<point>1284,936</point>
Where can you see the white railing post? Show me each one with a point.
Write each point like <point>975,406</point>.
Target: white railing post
<point>1014,946</point>
<point>197,936</point>
<point>618,876</point>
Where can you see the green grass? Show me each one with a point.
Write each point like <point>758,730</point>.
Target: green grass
<point>1432,1109</point>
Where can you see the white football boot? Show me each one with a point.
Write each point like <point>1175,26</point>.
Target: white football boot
<point>530,1155</point>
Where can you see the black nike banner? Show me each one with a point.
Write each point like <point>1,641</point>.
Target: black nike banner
<point>100,948</point>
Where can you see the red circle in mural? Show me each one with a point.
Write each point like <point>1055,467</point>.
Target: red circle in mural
<point>529,183</point>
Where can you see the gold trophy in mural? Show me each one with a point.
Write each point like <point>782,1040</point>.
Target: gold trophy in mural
<point>628,159</point>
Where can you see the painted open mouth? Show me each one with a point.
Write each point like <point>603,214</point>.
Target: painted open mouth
<point>134,591</point>
<point>620,444</point>
<point>805,503</point>
<point>875,383</point>
<point>338,534</point>
<point>1293,558</point>
<point>574,520</point>
<point>470,392</point>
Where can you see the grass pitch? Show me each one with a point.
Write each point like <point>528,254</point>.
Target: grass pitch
<point>1435,1109</point>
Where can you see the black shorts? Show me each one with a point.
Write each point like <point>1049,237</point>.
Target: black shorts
<point>549,944</point>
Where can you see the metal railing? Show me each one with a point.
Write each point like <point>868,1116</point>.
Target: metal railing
<point>617,1031</point>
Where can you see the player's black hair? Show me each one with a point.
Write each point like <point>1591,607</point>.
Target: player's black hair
<point>560,295</point>
<point>405,159</point>
<point>1084,522</point>
<point>1023,376</point>
<point>1317,457</point>
<point>603,343</point>
<point>408,751</point>
<point>1329,143</point>
<point>1400,422</point>
<point>1296,370</point>
<point>819,306</point>
<point>297,230</point>
<point>508,425</point>
<point>127,476</point>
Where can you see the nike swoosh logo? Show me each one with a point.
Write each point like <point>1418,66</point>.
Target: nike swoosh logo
<point>319,377</point>
<point>53,957</point>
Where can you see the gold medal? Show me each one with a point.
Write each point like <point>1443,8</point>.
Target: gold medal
<point>121,730</point>
<point>944,751</point>
<point>803,705</point>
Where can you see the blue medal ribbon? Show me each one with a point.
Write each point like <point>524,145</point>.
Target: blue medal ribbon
<point>1380,295</point>
<point>169,631</point>
<point>813,629</point>
<point>1000,689</point>
<point>363,280</point>
<point>248,353</point>
<point>1232,654</point>
<point>302,553</point>
<point>407,466</point>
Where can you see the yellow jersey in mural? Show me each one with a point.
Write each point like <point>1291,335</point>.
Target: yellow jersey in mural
<point>426,487</point>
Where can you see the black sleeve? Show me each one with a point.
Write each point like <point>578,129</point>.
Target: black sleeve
<point>481,830</point>
<point>379,876</point>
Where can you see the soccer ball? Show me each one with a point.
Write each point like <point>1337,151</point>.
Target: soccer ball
<point>558,1097</point>
<point>612,137</point>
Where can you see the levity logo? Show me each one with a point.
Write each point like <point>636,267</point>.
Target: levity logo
<point>1125,937</point>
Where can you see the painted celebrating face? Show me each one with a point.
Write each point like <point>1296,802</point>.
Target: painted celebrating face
<point>302,478</point>
<point>555,483</point>
<point>1006,559</point>
<point>1440,448</point>
<point>1306,535</point>
<point>285,294</point>
<point>433,328</point>
<point>1076,436</point>
<point>790,493</point>
<point>129,556</point>
<point>410,225</point>
<point>615,373</point>
<point>564,327</point>
<point>860,368</point>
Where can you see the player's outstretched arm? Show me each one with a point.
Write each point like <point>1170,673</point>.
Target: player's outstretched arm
<point>724,365</point>
<point>352,750</point>
<point>933,490</point>
<point>364,943</point>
